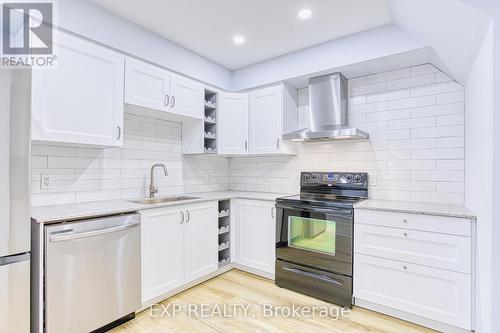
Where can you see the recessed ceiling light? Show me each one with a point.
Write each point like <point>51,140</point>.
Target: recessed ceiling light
<point>304,14</point>
<point>238,40</point>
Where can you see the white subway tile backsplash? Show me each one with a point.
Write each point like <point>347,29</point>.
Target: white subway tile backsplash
<point>387,76</point>
<point>423,69</point>
<point>437,175</point>
<point>82,174</point>
<point>388,115</point>
<point>453,97</point>
<point>412,102</point>
<point>412,123</point>
<point>438,132</point>
<point>387,96</point>
<point>415,150</point>
<point>452,119</point>
<point>414,81</point>
<point>438,154</point>
<point>436,110</point>
<point>438,88</point>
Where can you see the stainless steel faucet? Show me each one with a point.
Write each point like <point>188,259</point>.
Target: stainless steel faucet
<point>152,189</point>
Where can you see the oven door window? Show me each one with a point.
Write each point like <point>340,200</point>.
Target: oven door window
<point>312,234</point>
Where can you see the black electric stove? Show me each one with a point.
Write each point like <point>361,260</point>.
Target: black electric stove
<point>314,247</point>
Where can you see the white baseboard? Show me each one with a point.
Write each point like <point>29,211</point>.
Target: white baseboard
<point>254,271</point>
<point>435,325</point>
<point>161,298</point>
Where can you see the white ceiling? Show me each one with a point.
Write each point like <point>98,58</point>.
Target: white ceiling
<point>271,27</point>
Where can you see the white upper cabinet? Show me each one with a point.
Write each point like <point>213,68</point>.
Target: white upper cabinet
<point>146,85</point>
<point>254,123</point>
<point>186,97</point>
<point>81,99</point>
<point>233,124</point>
<point>158,89</point>
<point>265,121</point>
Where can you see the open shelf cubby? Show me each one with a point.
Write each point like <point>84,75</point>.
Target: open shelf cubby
<point>210,119</point>
<point>224,234</point>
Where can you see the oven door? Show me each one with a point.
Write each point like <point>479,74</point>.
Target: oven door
<point>316,237</point>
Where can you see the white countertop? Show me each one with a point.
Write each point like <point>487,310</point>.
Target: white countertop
<point>67,212</point>
<point>427,208</point>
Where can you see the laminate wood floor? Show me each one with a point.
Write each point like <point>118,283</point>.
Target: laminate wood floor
<point>239,288</point>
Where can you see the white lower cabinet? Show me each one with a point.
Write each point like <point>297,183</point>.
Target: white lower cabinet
<point>201,231</point>
<point>179,245</point>
<point>417,267</point>
<point>432,293</point>
<point>255,234</point>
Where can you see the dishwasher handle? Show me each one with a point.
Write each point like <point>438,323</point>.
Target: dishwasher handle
<point>93,233</point>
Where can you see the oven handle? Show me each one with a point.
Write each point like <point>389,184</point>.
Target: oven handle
<point>313,275</point>
<point>345,213</point>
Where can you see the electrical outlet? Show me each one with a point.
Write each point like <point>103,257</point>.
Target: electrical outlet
<point>209,179</point>
<point>45,182</point>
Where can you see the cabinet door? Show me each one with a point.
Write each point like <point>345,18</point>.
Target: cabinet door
<point>200,236</point>
<point>162,251</point>
<point>431,293</point>
<point>265,124</point>
<point>81,100</point>
<point>186,97</point>
<point>146,85</point>
<point>256,235</point>
<point>233,124</point>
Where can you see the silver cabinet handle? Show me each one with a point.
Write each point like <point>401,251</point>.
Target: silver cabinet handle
<point>172,101</point>
<point>167,100</point>
<point>66,237</point>
<point>246,145</point>
<point>119,132</point>
<point>188,216</point>
<point>272,212</point>
<point>278,143</point>
<point>182,216</point>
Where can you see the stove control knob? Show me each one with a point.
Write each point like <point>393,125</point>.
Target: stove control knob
<point>307,177</point>
<point>357,178</point>
<point>349,178</point>
<point>314,176</point>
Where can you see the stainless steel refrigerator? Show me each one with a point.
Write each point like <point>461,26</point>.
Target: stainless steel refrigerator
<point>14,201</point>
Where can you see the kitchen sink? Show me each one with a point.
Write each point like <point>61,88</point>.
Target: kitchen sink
<point>163,200</point>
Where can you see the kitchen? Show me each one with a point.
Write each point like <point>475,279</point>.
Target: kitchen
<point>160,181</point>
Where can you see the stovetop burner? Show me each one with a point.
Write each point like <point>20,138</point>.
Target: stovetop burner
<point>330,189</point>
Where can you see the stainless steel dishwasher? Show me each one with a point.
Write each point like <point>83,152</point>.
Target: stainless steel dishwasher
<point>92,273</point>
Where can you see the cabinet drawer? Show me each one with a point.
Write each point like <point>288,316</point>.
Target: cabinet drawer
<point>440,224</point>
<point>430,249</point>
<point>431,293</point>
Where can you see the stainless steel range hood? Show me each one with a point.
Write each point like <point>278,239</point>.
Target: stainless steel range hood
<point>328,104</point>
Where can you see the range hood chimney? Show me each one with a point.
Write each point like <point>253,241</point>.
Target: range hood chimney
<point>328,103</point>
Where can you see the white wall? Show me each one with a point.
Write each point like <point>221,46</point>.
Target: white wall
<point>364,46</point>
<point>83,174</point>
<point>415,118</point>
<point>89,20</point>
<point>479,170</point>
<point>451,27</point>
<point>496,175</point>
